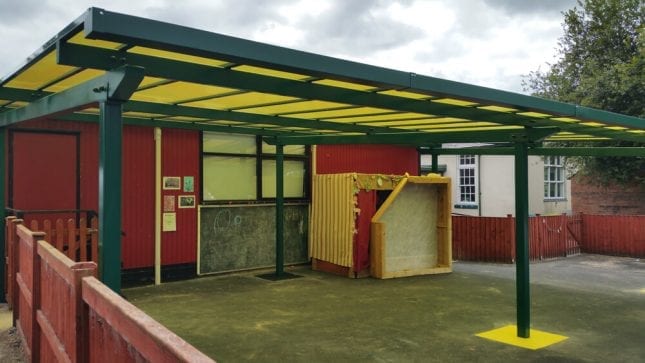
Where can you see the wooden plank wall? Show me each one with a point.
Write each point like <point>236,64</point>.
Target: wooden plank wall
<point>614,235</point>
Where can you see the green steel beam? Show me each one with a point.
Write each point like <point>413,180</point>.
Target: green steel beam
<point>3,205</point>
<point>435,162</point>
<point>110,150</point>
<point>117,84</point>
<point>201,126</point>
<point>279,210</point>
<point>420,138</point>
<point>177,110</point>
<point>555,151</point>
<point>522,279</point>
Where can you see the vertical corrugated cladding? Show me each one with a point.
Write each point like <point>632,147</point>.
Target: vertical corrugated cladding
<point>138,176</point>
<point>370,159</point>
<point>180,158</point>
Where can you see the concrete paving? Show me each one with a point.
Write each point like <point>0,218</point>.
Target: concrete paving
<point>596,301</point>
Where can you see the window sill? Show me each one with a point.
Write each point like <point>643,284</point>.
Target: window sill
<point>555,200</point>
<point>466,206</point>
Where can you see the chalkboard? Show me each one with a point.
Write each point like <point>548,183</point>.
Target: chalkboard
<point>243,237</point>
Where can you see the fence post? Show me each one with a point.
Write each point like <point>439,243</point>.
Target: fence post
<point>81,270</point>
<point>35,296</point>
<point>8,268</point>
<point>15,266</point>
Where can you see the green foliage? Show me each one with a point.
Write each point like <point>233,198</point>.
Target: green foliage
<point>602,65</point>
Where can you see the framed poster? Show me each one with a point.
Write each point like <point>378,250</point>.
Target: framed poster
<point>171,183</point>
<point>169,222</point>
<point>186,201</point>
<point>168,203</point>
<point>189,184</point>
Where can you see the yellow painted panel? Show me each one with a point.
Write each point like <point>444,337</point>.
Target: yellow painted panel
<point>452,101</point>
<point>149,81</point>
<point>497,108</point>
<point>534,114</point>
<point>637,131</point>
<point>331,232</point>
<point>387,117</point>
<point>270,72</point>
<point>225,122</point>
<point>348,85</point>
<point>483,128</point>
<point>406,94</point>
<point>177,91</point>
<point>74,80</point>
<point>41,73</point>
<point>616,128</point>
<point>421,121</point>
<point>4,102</point>
<point>294,107</point>
<point>79,38</point>
<point>594,124</point>
<point>340,113</point>
<point>142,114</point>
<point>240,100</point>
<point>468,124</point>
<point>178,56</point>
<point>185,118</point>
<point>565,119</point>
<point>508,335</point>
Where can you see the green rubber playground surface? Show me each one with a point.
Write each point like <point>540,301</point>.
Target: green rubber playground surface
<point>597,302</point>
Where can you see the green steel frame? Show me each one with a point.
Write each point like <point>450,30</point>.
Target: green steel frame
<point>3,205</point>
<point>125,71</point>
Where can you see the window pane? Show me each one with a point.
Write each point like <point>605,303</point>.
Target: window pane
<point>288,149</point>
<point>294,179</point>
<point>216,142</point>
<point>229,178</point>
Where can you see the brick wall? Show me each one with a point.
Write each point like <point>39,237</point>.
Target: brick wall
<point>590,198</point>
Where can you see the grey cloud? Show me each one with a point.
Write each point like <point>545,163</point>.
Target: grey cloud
<point>355,27</point>
<point>531,7</point>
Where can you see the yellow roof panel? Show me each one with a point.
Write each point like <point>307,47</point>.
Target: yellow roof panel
<point>185,118</point>
<point>565,119</point>
<point>452,101</point>
<point>466,129</point>
<point>395,123</point>
<point>150,81</point>
<point>225,122</point>
<point>497,108</point>
<point>4,102</point>
<point>40,73</point>
<point>616,128</point>
<point>294,107</point>
<point>270,72</point>
<point>406,94</point>
<point>240,100</point>
<point>141,114</point>
<point>79,38</point>
<point>594,124</point>
<point>178,91</point>
<point>74,80</point>
<point>348,85</point>
<point>534,114</point>
<point>458,125</point>
<point>178,56</point>
<point>341,113</point>
<point>387,117</point>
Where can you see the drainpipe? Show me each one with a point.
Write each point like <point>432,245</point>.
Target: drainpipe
<point>157,136</point>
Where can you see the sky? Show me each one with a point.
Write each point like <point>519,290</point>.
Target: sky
<point>492,43</point>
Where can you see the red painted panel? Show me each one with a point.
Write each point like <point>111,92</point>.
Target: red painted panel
<point>613,235</point>
<point>44,170</point>
<point>181,158</point>
<point>373,159</point>
<point>367,205</point>
<point>138,197</point>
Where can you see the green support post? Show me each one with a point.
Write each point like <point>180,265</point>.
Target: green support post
<point>110,135</point>
<point>435,162</point>
<point>3,134</point>
<point>522,240</point>
<point>279,210</point>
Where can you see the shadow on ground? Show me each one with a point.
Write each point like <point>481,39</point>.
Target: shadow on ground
<point>325,318</point>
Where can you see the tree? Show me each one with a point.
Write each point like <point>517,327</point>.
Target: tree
<point>602,65</point>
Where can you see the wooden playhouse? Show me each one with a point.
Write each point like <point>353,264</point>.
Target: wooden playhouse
<point>380,225</point>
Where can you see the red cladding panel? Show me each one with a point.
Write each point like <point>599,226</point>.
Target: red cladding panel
<point>372,159</point>
<point>181,158</point>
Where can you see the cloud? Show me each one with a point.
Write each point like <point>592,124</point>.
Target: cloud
<point>547,7</point>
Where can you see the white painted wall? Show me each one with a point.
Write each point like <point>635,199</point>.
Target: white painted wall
<point>497,186</point>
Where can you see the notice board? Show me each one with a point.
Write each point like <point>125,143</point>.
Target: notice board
<point>242,237</point>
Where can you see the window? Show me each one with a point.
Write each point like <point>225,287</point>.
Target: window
<point>242,167</point>
<point>553,177</point>
<point>467,179</point>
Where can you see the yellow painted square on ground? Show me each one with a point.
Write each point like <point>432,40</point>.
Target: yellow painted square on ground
<point>508,335</point>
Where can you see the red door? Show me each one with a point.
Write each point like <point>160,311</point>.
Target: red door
<point>43,171</point>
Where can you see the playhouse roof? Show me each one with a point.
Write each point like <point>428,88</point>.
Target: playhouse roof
<point>202,80</point>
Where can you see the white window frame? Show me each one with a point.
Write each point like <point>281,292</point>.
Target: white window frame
<point>554,178</point>
<point>467,188</point>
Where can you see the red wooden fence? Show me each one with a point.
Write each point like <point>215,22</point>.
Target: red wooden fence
<point>64,314</point>
<point>493,239</point>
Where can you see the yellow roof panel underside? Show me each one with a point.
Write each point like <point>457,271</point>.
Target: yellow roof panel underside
<point>452,101</point>
<point>348,85</point>
<point>534,114</point>
<point>387,117</point>
<point>294,107</point>
<point>593,124</point>
<point>565,119</point>
<point>185,118</point>
<point>149,81</point>
<point>79,38</point>
<point>396,123</point>
<point>224,122</point>
<point>470,124</point>
<point>142,114</point>
<point>178,56</point>
<point>240,100</point>
<point>40,73</point>
<point>74,80</point>
<point>341,113</point>
<point>616,128</point>
<point>178,91</point>
<point>406,94</point>
<point>270,72</point>
<point>497,108</point>
<point>467,129</point>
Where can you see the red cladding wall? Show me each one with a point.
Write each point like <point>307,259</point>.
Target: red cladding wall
<point>180,158</point>
<point>371,159</point>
